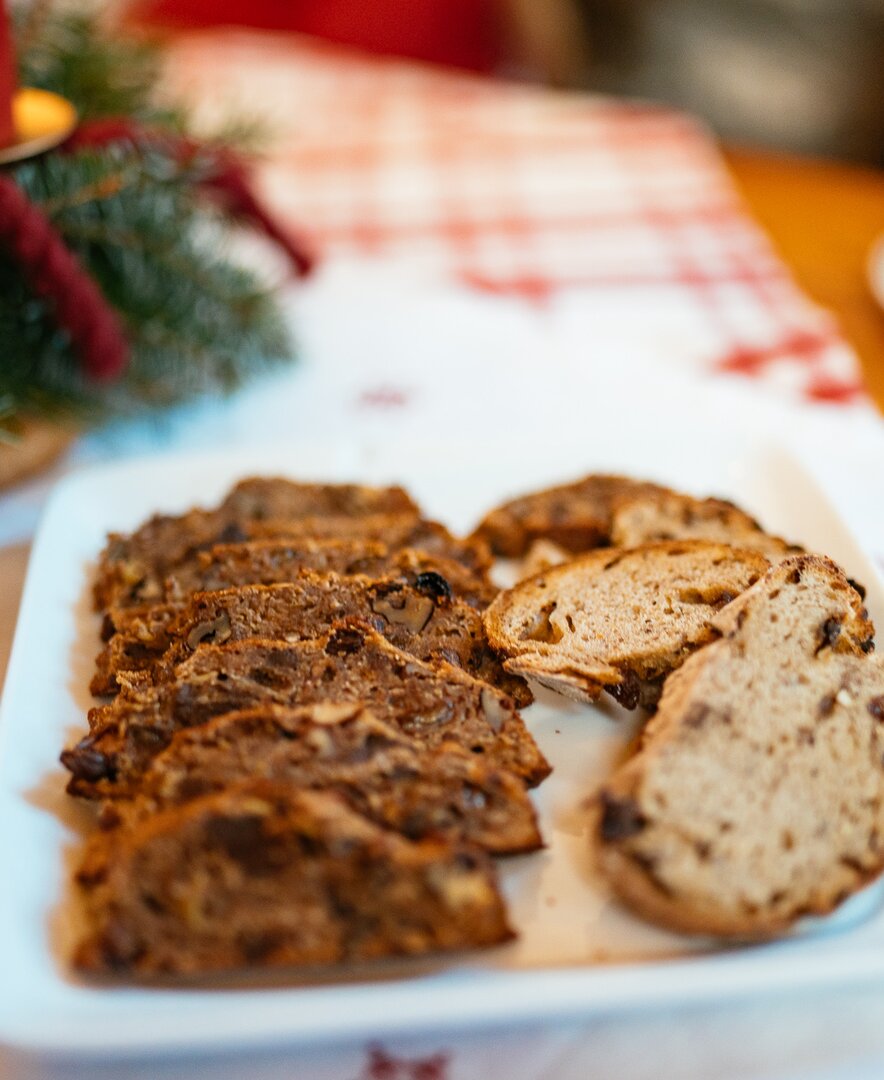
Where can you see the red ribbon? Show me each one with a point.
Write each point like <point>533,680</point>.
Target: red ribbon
<point>55,274</point>
<point>7,80</point>
<point>227,179</point>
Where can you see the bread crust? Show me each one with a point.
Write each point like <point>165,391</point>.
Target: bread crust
<point>616,511</point>
<point>575,516</point>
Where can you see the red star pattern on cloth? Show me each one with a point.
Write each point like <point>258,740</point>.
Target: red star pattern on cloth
<point>383,1066</point>
<point>384,397</point>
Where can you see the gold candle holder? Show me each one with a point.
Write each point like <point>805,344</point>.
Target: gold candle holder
<point>41,120</point>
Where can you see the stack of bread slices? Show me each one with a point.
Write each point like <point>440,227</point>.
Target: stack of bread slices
<point>307,751</point>
<point>309,746</point>
<point>756,795</point>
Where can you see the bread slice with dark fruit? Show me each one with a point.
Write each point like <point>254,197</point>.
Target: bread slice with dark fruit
<point>431,704</point>
<point>132,568</point>
<point>654,515</point>
<point>426,621</point>
<point>394,530</point>
<point>757,796</point>
<point>263,875</point>
<point>618,620</point>
<point>447,792</point>
<point>271,562</point>
<point>277,498</point>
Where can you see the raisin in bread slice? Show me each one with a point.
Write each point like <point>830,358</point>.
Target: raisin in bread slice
<point>425,621</point>
<point>352,663</point>
<point>132,568</point>
<point>574,516</point>
<point>448,792</point>
<point>263,875</point>
<point>757,796</point>
<point>618,620</point>
<point>271,562</point>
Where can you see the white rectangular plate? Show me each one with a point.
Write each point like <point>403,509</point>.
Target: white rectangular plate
<point>578,952</point>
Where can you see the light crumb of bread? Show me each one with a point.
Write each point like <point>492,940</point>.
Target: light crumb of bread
<point>618,620</point>
<point>757,796</point>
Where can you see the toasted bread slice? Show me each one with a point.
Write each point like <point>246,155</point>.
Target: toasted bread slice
<point>650,516</point>
<point>618,620</point>
<point>132,568</point>
<point>757,796</point>
<point>575,516</point>
<point>264,875</point>
<point>656,515</point>
<point>614,511</point>
<point>272,562</point>
<point>425,621</point>
<point>394,530</point>
<point>276,498</point>
<point>448,792</point>
<point>352,663</point>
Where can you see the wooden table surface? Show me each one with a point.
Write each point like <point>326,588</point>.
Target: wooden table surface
<point>823,217</point>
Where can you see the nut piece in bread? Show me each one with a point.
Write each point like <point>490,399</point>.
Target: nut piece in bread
<point>757,796</point>
<point>618,620</point>
<point>263,875</point>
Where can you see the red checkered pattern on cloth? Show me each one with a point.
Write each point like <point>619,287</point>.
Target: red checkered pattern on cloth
<point>519,190</point>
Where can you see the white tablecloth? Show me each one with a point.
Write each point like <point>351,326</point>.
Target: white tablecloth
<point>411,358</point>
<point>390,351</point>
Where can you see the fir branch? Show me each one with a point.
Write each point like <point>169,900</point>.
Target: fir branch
<point>103,75</point>
<point>169,258</point>
<point>105,188</point>
<point>195,321</point>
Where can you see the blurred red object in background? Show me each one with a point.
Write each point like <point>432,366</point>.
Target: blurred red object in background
<point>460,33</point>
<point>7,80</point>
